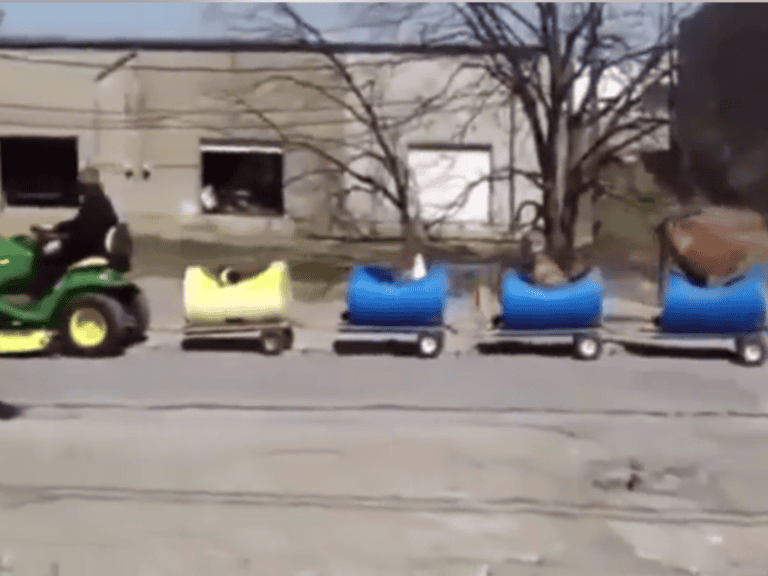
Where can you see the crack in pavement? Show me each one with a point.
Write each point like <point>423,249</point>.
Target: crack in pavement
<point>16,496</point>
<point>666,414</point>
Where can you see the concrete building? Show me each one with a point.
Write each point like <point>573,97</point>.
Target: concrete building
<point>186,148</point>
<point>219,143</point>
<point>160,128</point>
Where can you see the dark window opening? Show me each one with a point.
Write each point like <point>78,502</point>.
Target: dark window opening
<point>237,182</point>
<point>39,171</point>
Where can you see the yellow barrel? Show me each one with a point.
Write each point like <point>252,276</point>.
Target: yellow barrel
<point>265,296</point>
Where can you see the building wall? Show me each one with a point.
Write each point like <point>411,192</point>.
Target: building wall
<point>153,112</point>
<point>201,104</point>
<point>466,115</point>
<point>42,97</point>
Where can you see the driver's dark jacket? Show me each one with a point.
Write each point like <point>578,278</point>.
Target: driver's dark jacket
<point>87,232</point>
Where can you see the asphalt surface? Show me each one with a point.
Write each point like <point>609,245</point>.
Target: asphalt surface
<point>525,377</point>
<point>648,462</point>
<point>199,493</point>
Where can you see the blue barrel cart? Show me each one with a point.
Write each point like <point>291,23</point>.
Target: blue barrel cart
<point>378,302</point>
<point>732,310</point>
<point>533,310</point>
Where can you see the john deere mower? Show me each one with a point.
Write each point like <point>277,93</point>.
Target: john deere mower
<point>92,310</point>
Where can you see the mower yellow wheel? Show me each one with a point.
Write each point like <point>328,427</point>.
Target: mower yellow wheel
<point>88,328</point>
<point>93,325</point>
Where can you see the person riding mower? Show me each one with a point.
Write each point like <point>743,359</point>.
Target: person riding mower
<point>66,283</point>
<point>72,240</point>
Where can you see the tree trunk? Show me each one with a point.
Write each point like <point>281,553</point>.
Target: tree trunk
<point>413,241</point>
<point>569,219</point>
<point>559,244</point>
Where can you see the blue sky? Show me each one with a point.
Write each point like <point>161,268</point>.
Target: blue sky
<point>103,20</point>
<point>130,19</point>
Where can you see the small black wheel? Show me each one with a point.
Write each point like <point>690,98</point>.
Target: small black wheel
<point>93,325</point>
<point>273,342</point>
<point>430,344</point>
<point>288,338</point>
<point>751,350</point>
<point>587,346</point>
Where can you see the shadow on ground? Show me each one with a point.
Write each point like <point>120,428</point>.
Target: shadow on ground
<point>52,352</point>
<point>650,351</point>
<point>520,348</point>
<point>9,412</point>
<point>376,348</point>
<point>222,345</point>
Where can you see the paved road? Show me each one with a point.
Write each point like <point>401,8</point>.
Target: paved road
<point>385,492</point>
<point>160,373</point>
<point>196,493</point>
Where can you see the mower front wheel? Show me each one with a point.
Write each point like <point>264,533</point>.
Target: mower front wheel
<point>92,325</point>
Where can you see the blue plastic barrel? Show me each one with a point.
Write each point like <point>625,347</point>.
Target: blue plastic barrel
<point>375,297</point>
<point>576,304</point>
<point>738,306</point>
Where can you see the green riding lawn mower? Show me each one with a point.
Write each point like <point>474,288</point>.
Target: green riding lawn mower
<point>93,310</point>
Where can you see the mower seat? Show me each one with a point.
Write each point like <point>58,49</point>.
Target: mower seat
<point>118,250</point>
<point>90,261</point>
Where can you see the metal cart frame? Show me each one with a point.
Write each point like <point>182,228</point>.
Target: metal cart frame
<point>275,335</point>
<point>587,342</point>
<point>430,339</point>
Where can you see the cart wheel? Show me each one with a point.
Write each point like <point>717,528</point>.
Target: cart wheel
<point>751,350</point>
<point>587,346</point>
<point>288,338</point>
<point>273,343</point>
<point>430,344</point>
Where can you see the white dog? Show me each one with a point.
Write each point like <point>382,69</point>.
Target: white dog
<point>419,269</point>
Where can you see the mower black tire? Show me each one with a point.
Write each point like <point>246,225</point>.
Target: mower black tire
<point>109,312</point>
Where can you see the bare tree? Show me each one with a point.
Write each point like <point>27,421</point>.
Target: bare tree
<point>360,145</point>
<point>579,45</point>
